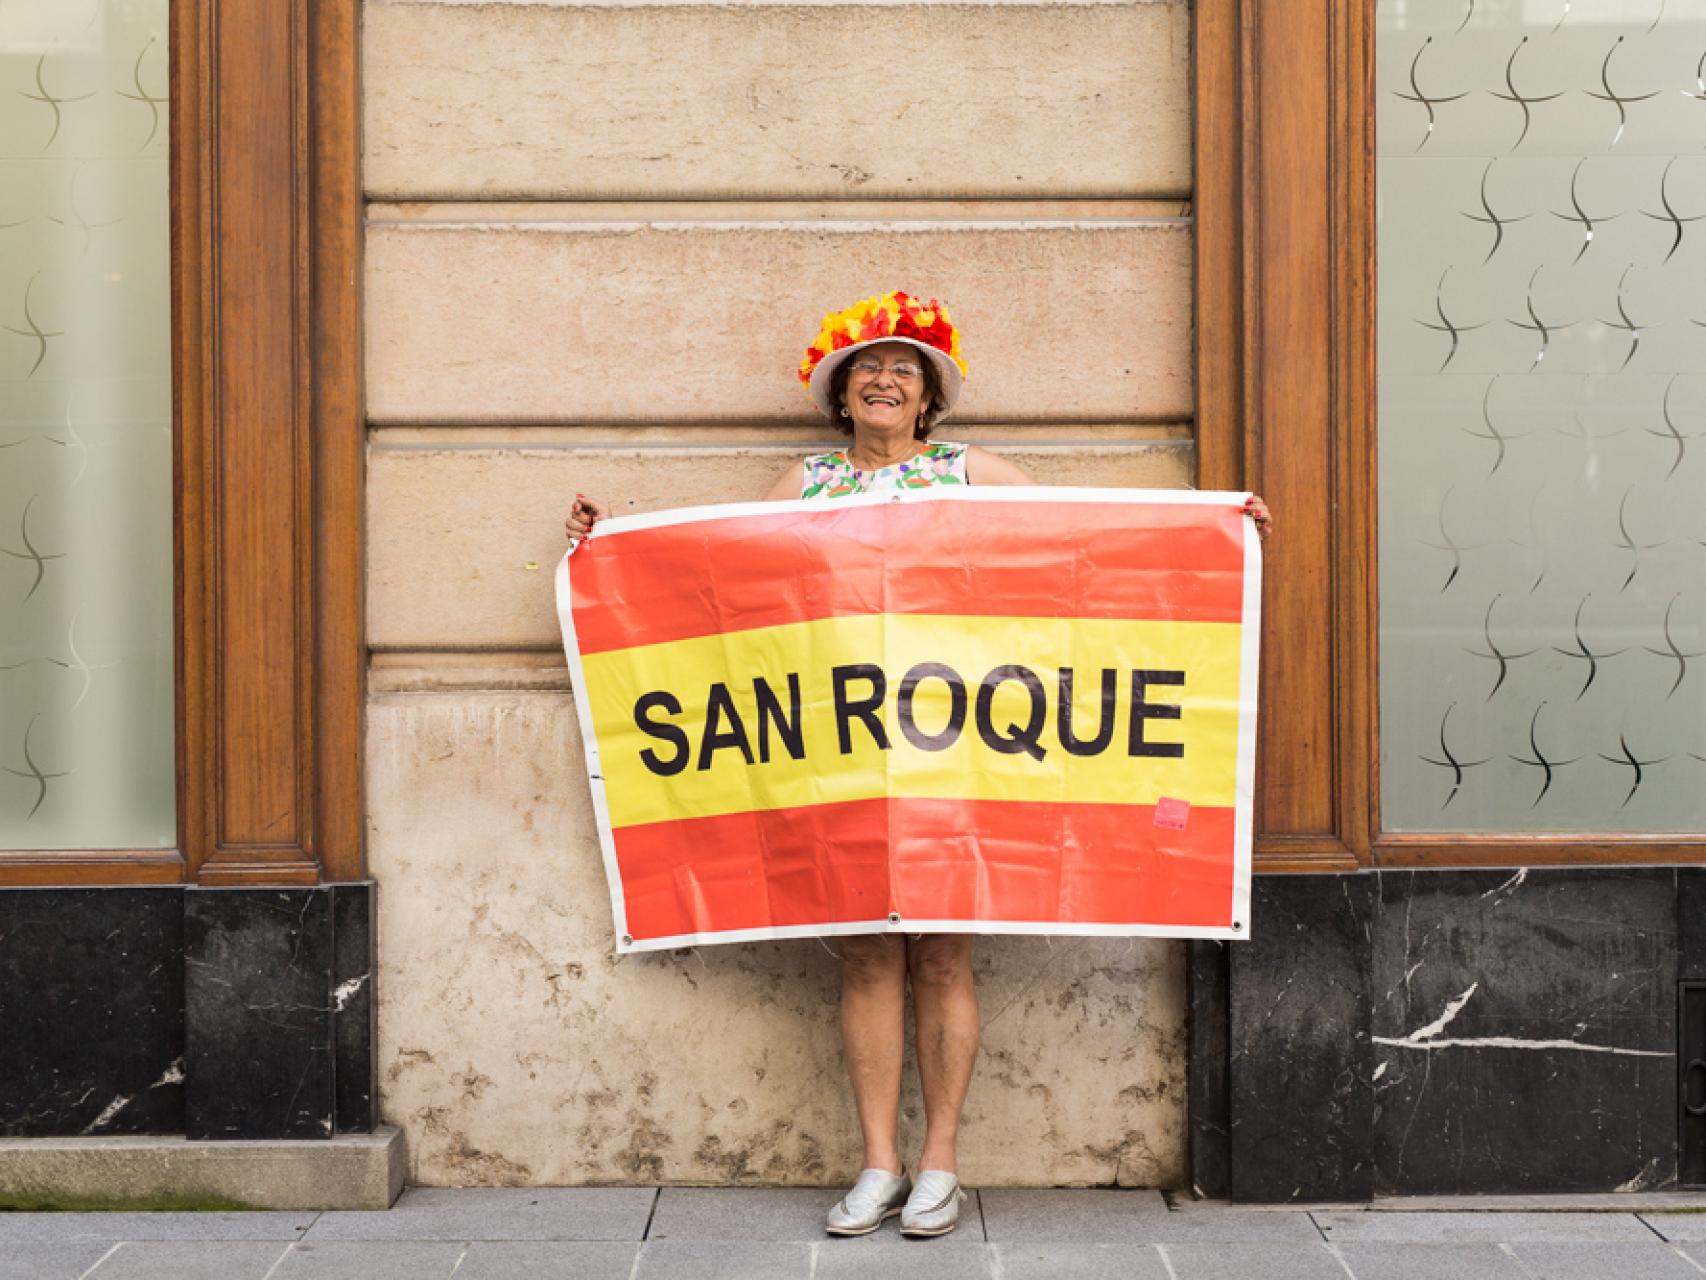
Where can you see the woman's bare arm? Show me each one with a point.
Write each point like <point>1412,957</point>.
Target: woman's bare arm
<point>587,512</point>
<point>984,467</point>
<point>788,484</point>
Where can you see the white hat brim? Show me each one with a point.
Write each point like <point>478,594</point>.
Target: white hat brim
<point>948,378</point>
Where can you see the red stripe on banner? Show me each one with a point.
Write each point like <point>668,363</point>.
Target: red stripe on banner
<point>1159,561</point>
<point>993,860</point>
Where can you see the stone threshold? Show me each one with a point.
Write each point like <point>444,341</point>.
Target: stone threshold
<point>1579,1202</point>
<point>348,1171</point>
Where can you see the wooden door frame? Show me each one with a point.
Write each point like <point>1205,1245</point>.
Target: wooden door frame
<point>1285,375</point>
<point>1284,353</point>
<point>267,455</point>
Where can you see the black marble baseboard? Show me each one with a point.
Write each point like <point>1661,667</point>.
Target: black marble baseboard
<point>1691,923</point>
<point>1525,1030</point>
<point>258,1013</point>
<point>355,1066</point>
<point>1448,1032</point>
<point>216,1013</point>
<point>91,1011</point>
<point>1207,994</point>
<point>1300,1100</point>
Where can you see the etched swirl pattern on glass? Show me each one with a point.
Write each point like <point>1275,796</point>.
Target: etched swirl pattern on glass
<point>1541,246</point>
<point>86,663</point>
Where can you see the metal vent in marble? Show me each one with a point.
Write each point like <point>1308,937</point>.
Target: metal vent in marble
<point>1691,1075</point>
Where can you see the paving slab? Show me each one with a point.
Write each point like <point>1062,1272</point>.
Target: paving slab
<point>66,1228</point>
<point>548,1260</point>
<point>1078,1262</point>
<point>1244,1261</point>
<point>189,1260</point>
<point>1689,1227</point>
<point>1432,1262</point>
<point>1192,1223</point>
<point>1480,1228</point>
<point>746,1213</point>
<point>886,1259</point>
<point>368,1260</point>
<point>1127,1217</point>
<point>1587,1261</point>
<point>1695,1253</point>
<point>781,1213</point>
<point>51,1261</point>
<point>724,1260</point>
<point>498,1213</point>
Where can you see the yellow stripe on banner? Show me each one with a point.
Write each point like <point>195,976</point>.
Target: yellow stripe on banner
<point>676,722</point>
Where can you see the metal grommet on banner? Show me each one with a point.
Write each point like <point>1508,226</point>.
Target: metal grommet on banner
<point>627,940</point>
<point>894,917</point>
<point>1237,926</point>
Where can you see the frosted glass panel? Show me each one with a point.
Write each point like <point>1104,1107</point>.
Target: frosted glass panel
<point>86,706</point>
<point>1541,224</point>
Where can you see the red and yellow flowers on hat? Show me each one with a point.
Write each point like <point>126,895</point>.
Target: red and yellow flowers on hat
<point>892,317</point>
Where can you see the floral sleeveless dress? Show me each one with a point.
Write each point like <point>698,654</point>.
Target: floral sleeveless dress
<point>833,475</point>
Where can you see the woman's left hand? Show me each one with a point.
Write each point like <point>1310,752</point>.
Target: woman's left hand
<point>1257,510</point>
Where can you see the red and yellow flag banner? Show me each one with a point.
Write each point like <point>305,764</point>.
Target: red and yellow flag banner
<point>996,710</point>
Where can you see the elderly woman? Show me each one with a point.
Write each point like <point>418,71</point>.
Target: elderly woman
<point>885,372</point>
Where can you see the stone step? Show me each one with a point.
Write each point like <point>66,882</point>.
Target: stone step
<point>348,1171</point>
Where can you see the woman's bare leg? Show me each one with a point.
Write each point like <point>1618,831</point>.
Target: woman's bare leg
<point>873,1030</point>
<point>944,1000</point>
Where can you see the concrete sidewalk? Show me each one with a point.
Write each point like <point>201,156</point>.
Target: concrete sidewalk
<point>679,1233</point>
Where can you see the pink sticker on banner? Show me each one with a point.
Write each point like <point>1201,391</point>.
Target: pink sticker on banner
<point>1172,813</point>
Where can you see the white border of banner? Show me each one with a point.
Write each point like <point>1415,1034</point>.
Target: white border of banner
<point>1249,673</point>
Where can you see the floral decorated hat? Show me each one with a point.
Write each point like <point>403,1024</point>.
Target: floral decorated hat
<point>894,317</point>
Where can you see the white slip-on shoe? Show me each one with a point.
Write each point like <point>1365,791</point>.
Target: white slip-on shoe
<point>933,1209</point>
<point>876,1197</point>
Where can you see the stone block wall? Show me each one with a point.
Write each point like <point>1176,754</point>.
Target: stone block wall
<point>599,237</point>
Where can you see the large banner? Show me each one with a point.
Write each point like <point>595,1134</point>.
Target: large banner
<point>989,710</point>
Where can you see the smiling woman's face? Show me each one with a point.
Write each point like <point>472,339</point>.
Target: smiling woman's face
<point>885,403</point>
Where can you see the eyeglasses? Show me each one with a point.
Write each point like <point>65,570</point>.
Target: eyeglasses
<point>904,370</point>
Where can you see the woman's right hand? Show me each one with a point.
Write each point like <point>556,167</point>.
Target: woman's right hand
<point>585,513</point>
